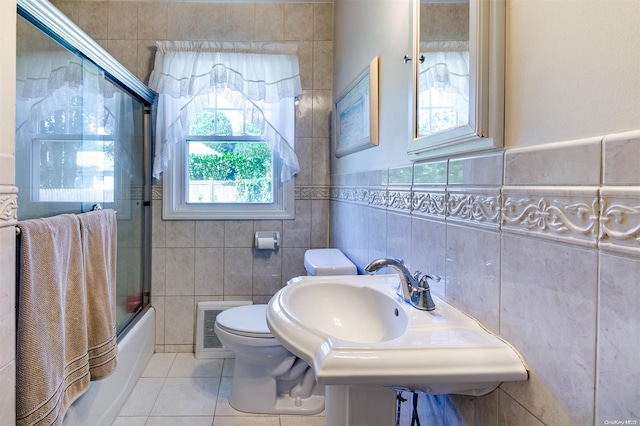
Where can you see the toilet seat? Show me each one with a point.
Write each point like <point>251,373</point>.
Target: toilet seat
<point>247,321</point>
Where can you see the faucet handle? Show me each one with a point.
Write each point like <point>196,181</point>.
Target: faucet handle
<point>435,278</point>
<point>423,281</point>
<point>416,275</point>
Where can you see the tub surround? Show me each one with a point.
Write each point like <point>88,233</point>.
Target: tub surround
<point>102,402</point>
<point>521,236</point>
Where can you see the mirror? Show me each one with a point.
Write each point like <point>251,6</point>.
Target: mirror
<point>443,67</point>
<point>458,77</point>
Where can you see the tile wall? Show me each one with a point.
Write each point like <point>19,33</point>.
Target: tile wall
<point>8,215</point>
<point>542,246</point>
<point>214,260</point>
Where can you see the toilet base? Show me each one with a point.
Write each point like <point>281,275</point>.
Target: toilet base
<point>254,391</point>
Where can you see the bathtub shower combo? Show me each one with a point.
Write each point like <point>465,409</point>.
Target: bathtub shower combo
<point>82,143</point>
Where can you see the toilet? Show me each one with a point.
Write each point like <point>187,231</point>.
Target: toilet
<point>267,378</point>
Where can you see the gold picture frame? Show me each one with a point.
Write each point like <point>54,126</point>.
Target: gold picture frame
<point>355,113</point>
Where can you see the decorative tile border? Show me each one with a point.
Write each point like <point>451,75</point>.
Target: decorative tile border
<point>156,192</point>
<point>563,214</point>
<point>548,198</point>
<point>430,203</point>
<point>620,219</point>
<point>475,206</point>
<point>312,193</point>
<point>378,197</point>
<point>399,199</point>
<point>8,205</point>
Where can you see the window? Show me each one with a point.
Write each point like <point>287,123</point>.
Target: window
<point>226,169</point>
<point>225,129</point>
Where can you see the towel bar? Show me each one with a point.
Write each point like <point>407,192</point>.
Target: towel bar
<point>94,208</point>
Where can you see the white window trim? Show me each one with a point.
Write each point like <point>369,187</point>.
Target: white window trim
<point>175,206</point>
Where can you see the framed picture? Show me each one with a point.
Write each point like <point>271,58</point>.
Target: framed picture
<point>355,113</point>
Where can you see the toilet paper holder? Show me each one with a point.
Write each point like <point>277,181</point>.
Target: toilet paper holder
<point>267,240</point>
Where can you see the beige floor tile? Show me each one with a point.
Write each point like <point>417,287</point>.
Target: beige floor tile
<point>301,420</point>
<point>129,421</point>
<point>187,397</point>
<point>142,397</point>
<point>159,365</point>
<point>246,421</point>
<point>180,421</point>
<point>186,365</point>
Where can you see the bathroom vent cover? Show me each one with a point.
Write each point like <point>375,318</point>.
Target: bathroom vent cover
<point>207,343</point>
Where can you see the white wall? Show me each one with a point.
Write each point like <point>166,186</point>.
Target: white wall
<point>365,29</point>
<point>572,69</point>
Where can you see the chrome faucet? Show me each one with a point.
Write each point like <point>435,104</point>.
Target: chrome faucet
<point>413,288</point>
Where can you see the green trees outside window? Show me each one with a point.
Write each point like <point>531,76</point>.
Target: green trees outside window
<point>238,161</point>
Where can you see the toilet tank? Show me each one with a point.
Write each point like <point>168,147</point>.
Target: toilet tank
<point>328,262</point>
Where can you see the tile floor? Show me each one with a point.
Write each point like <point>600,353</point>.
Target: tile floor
<point>178,389</point>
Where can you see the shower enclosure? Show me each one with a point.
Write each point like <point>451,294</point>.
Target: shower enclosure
<point>82,140</point>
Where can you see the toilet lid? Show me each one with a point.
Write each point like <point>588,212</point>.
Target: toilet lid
<point>247,320</point>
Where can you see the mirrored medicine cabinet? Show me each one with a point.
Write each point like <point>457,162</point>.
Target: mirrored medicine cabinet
<point>458,77</point>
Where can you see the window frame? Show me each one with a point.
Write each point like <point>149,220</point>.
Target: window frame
<point>176,180</point>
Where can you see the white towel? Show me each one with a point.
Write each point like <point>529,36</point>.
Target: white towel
<point>98,229</point>
<point>52,367</point>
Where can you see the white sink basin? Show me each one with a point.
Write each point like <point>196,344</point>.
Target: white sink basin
<point>355,330</point>
<point>338,310</point>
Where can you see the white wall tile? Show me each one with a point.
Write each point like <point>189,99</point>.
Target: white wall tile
<point>152,20</point>
<point>123,21</point>
<point>617,391</point>
<point>211,21</point>
<point>180,271</point>
<point>569,163</point>
<point>548,312</point>
<point>183,22</point>
<point>298,21</point>
<point>428,242</point>
<point>482,169</point>
<point>179,320</point>
<point>238,272</point>
<point>512,413</point>
<point>621,159</point>
<point>240,22</point>
<point>7,295</point>
<point>209,271</point>
<point>323,21</point>
<point>269,22</point>
<point>238,233</point>
<point>399,237</point>
<point>473,273</point>
<point>209,233</point>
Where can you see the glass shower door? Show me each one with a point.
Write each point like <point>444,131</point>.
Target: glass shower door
<point>80,144</point>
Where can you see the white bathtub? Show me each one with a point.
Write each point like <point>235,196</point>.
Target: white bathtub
<point>102,402</point>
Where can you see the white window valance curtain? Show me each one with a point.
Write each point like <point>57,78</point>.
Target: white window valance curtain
<point>49,82</point>
<point>186,73</point>
<point>445,67</point>
<point>60,82</point>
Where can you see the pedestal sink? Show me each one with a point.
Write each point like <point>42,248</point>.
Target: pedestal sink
<point>365,342</point>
